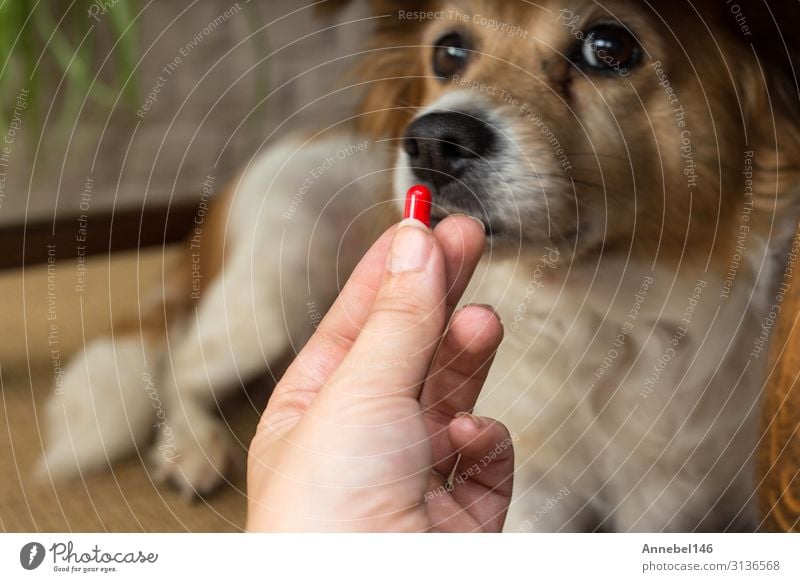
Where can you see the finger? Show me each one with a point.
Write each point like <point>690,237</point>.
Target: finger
<point>394,350</point>
<point>463,240</point>
<point>486,465</point>
<point>458,374</point>
<point>336,332</point>
<point>463,362</point>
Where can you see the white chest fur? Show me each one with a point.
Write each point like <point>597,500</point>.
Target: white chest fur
<point>632,394</point>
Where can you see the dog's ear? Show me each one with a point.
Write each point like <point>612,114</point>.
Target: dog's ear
<point>392,71</point>
<point>768,29</point>
<point>769,64</point>
<point>378,7</point>
<point>331,7</point>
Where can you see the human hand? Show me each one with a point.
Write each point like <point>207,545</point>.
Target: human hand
<point>369,418</point>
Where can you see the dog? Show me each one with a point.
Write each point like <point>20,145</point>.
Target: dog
<point>636,166</point>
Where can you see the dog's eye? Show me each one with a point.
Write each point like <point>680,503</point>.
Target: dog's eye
<point>609,48</point>
<point>450,55</point>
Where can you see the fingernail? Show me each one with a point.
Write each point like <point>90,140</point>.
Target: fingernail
<point>489,308</point>
<point>483,306</point>
<point>477,422</point>
<point>475,218</point>
<point>411,247</point>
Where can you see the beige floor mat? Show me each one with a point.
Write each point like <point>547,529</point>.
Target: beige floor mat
<point>45,317</point>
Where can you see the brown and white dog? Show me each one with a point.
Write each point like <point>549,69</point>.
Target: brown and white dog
<point>637,166</point>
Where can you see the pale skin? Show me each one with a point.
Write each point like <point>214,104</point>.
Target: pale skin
<point>370,419</point>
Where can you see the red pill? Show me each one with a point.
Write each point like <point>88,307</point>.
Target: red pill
<point>418,204</point>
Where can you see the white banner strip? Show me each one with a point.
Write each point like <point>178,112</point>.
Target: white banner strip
<point>404,558</point>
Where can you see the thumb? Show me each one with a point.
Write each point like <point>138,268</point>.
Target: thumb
<point>394,350</point>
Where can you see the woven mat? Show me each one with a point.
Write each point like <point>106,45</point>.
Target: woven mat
<point>122,500</point>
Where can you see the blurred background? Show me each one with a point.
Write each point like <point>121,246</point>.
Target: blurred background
<point>147,98</point>
<point>115,112</point>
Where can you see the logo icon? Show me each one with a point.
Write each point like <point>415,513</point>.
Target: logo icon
<point>31,555</point>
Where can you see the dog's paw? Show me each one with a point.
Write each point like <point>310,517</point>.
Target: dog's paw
<point>195,460</point>
<point>99,411</point>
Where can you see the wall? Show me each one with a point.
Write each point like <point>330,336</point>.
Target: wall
<point>205,119</point>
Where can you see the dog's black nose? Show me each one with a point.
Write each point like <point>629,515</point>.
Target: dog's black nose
<point>441,146</point>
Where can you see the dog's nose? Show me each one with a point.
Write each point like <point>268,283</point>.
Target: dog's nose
<point>441,146</point>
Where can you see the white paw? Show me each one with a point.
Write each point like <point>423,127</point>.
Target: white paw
<point>100,410</point>
<point>195,460</point>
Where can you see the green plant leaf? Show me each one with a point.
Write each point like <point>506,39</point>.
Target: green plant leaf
<point>29,33</point>
<point>123,22</point>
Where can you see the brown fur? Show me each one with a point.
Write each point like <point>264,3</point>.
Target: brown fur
<point>187,276</point>
<point>779,454</point>
<point>708,62</point>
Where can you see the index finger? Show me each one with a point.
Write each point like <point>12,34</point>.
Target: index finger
<point>461,241</point>
<point>340,327</point>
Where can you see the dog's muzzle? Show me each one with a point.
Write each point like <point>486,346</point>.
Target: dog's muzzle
<point>443,147</point>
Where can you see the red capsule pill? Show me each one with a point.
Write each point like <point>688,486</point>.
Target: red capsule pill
<point>418,204</point>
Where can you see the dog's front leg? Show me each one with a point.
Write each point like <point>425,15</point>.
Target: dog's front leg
<point>298,222</point>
